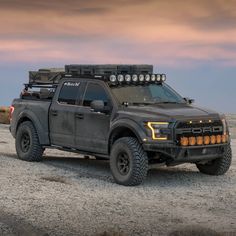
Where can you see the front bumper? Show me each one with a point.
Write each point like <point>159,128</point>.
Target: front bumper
<point>178,154</point>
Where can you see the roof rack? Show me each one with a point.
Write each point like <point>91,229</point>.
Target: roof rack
<point>108,69</point>
<point>46,76</point>
<point>54,75</point>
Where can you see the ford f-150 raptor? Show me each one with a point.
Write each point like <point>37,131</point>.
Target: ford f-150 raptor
<point>124,113</point>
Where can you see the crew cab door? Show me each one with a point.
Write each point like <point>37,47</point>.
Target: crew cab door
<point>92,128</point>
<point>62,114</point>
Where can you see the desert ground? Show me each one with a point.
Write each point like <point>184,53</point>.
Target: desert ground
<point>69,195</point>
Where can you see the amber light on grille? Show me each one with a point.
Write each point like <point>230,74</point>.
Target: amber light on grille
<point>218,139</point>
<point>184,141</point>
<point>225,138</point>
<point>199,140</point>
<point>207,140</point>
<point>203,140</point>
<point>192,141</point>
<point>213,139</point>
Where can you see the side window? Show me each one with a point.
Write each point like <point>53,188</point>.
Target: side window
<point>69,93</point>
<point>95,92</point>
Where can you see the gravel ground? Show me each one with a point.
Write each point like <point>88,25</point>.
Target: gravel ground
<point>69,195</point>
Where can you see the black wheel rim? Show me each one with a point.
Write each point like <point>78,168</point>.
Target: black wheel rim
<point>123,163</point>
<point>25,142</point>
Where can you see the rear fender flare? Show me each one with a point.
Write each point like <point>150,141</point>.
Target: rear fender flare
<point>42,133</point>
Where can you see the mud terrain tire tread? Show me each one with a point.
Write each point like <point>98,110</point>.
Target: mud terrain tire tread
<point>35,152</point>
<point>218,166</point>
<point>138,157</point>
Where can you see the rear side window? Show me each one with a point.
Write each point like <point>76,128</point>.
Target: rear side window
<point>95,92</point>
<point>69,93</point>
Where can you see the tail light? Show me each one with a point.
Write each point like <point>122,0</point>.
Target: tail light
<point>11,112</point>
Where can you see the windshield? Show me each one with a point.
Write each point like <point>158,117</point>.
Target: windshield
<point>145,94</point>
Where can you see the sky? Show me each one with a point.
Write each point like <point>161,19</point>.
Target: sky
<point>193,42</point>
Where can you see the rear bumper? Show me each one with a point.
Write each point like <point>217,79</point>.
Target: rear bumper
<point>177,154</point>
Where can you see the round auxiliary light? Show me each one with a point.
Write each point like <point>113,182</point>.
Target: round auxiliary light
<point>163,77</point>
<point>158,78</point>
<point>184,141</point>
<point>224,139</point>
<point>199,140</point>
<point>147,78</point>
<point>141,78</point>
<point>153,78</point>
<point>128,78</point>
<point>207,140</point>
<point>134,78</point>
<point>120,78</point>
<point>213,139</point>
<point>113,78</point>
<point>218,139</point>
<point>192,141</point>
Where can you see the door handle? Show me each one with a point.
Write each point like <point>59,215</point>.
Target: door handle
<point>54,112</point>
<point>79,116</point>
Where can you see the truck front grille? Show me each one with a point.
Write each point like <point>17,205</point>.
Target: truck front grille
<point>195,133</point>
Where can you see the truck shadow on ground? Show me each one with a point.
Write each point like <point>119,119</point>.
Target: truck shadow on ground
<point>159,176</point>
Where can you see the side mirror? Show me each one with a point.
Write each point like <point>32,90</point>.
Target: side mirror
<point>189,100</point>
<point>97,105</point>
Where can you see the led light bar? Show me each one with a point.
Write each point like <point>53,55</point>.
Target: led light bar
<point>141,78</point>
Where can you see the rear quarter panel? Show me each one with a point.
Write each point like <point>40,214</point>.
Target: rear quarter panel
<point>36,112</point>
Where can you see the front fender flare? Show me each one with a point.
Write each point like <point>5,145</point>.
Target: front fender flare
<point>129,124</point>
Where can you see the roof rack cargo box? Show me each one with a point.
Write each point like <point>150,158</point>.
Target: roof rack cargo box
<point>107,69</point>
<point>45,76</point>
<point>142,69</point>
<point>91,69</point>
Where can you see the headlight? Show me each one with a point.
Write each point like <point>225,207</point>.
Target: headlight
<point>157,129</point>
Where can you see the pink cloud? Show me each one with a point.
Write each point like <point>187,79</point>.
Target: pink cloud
<point>155,32</point>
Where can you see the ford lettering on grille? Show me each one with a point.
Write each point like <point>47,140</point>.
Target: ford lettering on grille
<point>215,129</point>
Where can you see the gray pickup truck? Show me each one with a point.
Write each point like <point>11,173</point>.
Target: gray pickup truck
<point>124,113</point>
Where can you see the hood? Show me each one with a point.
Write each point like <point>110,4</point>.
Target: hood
<point>171,111</point>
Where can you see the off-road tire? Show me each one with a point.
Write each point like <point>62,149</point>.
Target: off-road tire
<point>218,166</point>
<point>30,150</point>
<point>137,158</point>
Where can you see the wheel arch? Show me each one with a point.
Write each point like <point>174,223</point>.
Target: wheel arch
<point>125,128</point>
<point>30,116</point>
